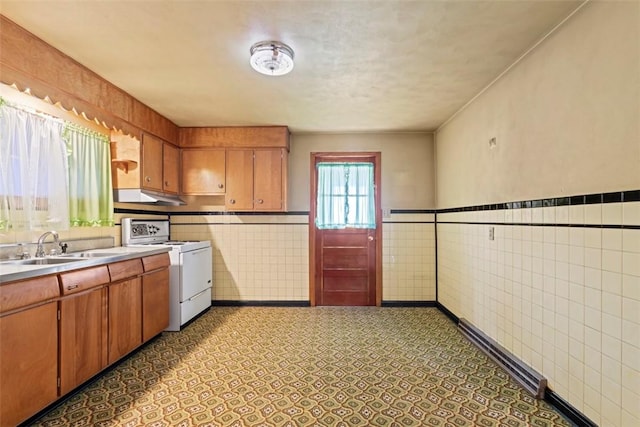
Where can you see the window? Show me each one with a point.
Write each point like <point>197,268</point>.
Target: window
<point>346,196</point>
<point>33,170</point>
<point>53,174</point>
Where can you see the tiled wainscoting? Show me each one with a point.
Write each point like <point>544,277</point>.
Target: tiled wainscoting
<point>408,257</point>
<point>266,257</point>
<point>559,287</point>
<point>255,257</point>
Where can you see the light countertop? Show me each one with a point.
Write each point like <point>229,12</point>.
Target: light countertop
<point>12,271</point>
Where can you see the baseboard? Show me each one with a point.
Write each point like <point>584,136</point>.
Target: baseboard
<point>571,413</point>
<point>238,303</point>
<point>533,381</point>
<point>447,312</point>
<point>408,303</point>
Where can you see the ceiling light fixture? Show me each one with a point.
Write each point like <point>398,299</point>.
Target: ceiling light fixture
<point>271,58</point>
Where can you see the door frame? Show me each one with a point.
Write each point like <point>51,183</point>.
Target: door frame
<point>374,157</point>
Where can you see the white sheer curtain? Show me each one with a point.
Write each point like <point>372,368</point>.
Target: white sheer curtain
<point>33,171</point>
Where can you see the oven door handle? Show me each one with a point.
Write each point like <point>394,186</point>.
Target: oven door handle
<point>196,296</point>
<point>198,251</point>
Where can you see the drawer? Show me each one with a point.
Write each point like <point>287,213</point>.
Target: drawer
<point>155,262</point>
<point>81,280</point>
<point>14,295</point>
<point>125,269</point>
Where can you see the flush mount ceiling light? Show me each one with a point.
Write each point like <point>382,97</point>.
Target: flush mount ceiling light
<point>271,58</point>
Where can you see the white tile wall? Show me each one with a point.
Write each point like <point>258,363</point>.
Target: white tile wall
<point>565,300</point>
<point>266,258</point>
<point>408,258</point>
<point>255,258</point>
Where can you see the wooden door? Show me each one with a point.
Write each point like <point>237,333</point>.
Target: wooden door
<point>203,171</point>
<point>170,169</point>
<point>151,162</point>
<point>125,317</point>
<point>239,167</point>
<point>28,362</point>
<point>267,180</point>
<point>345,264</point>
<point>83,337</point>
<point>155,303</point>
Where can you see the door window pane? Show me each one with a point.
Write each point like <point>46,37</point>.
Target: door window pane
<point>346,196</point>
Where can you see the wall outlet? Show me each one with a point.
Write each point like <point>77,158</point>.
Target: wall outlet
<point>492,233</point>
<point>386,213</point>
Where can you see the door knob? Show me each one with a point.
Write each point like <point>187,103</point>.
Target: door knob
<point>232,201</point>
<point>220,185</point>
<point>370,238</point>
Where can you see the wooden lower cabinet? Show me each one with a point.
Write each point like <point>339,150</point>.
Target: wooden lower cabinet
<point>155,303</point>
<point>125,317</point>
<point>58,331</point>
<point>83,337</point>
<point>28,362</point>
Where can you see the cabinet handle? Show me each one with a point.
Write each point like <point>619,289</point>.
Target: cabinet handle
<point>220,185</point>
<point>232,201</point>
<point>166,183</point>
<point>147,178</point>
<point>260,201</point>
<point>72,287</point>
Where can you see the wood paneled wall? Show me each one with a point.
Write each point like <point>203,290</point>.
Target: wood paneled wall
<point>29,62</point>
<point>234,137</point>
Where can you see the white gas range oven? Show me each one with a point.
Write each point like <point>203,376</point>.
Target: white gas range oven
<point>190,272</point>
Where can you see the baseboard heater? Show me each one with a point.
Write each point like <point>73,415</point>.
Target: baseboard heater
<point>531,380</point>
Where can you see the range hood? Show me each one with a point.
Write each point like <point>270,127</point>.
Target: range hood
<point>137,195</point>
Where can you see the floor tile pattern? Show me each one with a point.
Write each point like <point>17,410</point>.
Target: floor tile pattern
<point>323,366</point>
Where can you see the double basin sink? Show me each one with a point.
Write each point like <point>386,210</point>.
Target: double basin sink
<point>60,259</point>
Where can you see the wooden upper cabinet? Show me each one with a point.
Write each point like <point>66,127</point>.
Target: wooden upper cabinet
<point>250,137</point>
<point>151,163</point>
<point>239,195</point>
<point>256,180</point>
<point>203,171</point>
<point>268,181</point>
<point>170,172</point>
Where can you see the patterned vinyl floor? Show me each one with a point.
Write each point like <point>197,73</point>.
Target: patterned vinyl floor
<point>324,366</point>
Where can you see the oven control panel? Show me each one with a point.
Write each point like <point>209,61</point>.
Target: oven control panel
<point>138,230</point>
<point>144,231</point>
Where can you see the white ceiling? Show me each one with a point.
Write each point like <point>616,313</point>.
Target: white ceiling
<point>387,65</point>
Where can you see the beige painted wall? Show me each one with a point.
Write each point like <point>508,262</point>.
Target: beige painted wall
<point>407,166</point>
<point>566,118</point>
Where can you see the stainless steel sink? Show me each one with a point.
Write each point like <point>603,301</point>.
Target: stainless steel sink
<point>90,255</point>
<point>42,261</point>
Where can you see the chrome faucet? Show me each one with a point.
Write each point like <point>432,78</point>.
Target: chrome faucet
<point>40,248</point>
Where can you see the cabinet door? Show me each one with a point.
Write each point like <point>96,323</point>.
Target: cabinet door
<point>28,362</point>
<point>170,172</point>
<point>203,172</point>
<point>267,178</point>
<point>125,317</point>
<point>83,337</point>
<point>239,180</point>
<point>155,303</point>
<point>151,162</point>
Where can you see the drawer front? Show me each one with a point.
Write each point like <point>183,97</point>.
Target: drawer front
<point>155,262</point>
<point>81,280</point>
<point>125,269</point>
<point>14,295</point>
